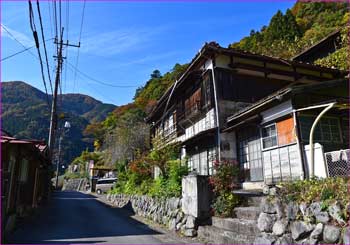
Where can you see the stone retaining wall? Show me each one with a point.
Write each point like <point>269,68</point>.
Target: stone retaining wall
<point>290,223</point>
<point>165,212</point>
<point>73,184</point>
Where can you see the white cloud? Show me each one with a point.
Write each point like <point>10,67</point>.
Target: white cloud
<point>149,58</point>
<point>117,41</point>
<point>21,37</point>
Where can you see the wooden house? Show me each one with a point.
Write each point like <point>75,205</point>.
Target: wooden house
<point>273,134</point>
<point>218,83</point>
<point>24,177</point>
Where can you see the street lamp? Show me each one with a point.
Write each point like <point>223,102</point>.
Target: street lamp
<point>66,126</point>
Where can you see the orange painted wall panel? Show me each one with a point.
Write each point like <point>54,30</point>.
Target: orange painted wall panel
<point>285,131</point>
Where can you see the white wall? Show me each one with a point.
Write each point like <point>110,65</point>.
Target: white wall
<point>205,123</point>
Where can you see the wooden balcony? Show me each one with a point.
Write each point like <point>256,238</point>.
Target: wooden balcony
<point>190,114</point>
<point>165,137</point>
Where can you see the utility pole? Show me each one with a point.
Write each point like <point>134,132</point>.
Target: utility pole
<point>53,117</point>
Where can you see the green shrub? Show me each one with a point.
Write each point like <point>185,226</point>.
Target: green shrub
<point>324,190</point>
<point>225,203</point>
<point>173,182</point>
<point>223,182</point>
<point>131,182</point>
<point>157,188</point>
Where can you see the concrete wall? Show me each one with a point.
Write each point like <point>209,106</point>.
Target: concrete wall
<point>196,196</point>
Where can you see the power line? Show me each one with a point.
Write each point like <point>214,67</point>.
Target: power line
<point>60,9</point>
<point>36,39</point>
<point>19,52</point>
<point>81,29</point>
<point>98,81</point>
<point>55,21</point>
<point>67,27</point>
<point>43,38</point>
<point>50,18</point>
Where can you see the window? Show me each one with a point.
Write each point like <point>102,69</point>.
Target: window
<point>207,91</point>
<point>107,181</point>
<point>269,136</point>
<point>250,157</point>
<point>193,103</point>
<point>327,129</point>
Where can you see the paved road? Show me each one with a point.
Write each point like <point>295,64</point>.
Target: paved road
<point>73,217</point>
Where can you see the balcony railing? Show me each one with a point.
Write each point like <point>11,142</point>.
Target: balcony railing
<point>164,137</point>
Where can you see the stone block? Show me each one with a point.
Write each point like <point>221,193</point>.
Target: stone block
<point>268,206</point>
<point>285,239</point>
<point>280,227</point>
<point>190,232</point>
<point>300,229</point>
<point>172,224</point>
<point>346,235</point>
<point>292,211</point>
<point>335,212</point>
<point>265,238</point>
<point>322,217</point>
<point>317,232</point>
<point>331,234</point>
<point>191,222</point>
<point>266,221</point>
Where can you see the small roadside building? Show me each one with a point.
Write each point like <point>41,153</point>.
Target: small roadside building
<point>24,177</point>
<point>273,134</point>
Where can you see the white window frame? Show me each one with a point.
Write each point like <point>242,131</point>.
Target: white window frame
<point>320,125</point>
<point>262,138</point>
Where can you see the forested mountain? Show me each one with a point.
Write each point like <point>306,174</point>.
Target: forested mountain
<point>300,27</point>
<point>25,114</point>
<point>287,34</point>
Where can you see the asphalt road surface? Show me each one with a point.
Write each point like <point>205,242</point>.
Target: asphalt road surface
<point>73,217</point>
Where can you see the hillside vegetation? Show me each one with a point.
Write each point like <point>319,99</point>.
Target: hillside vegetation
<point>25,114</point>
<point>298,28</point>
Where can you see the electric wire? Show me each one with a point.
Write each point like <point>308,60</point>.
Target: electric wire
<point>67,35</point>
<point>77,60</point>
<point>76,70</point>
<point>45,50</point>
<point>55,21</point>
<point>35,35</point>
<point>60,12</point>
<point>94,90</point>
<point>50,18</point>
<point>22,51</point>
<point>14,38</point>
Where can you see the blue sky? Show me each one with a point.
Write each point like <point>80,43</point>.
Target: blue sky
<point>123,42</point>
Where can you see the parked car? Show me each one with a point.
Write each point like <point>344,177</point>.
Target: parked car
<point>104,185</point>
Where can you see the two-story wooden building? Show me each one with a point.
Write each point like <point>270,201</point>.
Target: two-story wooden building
<point>218,83</point>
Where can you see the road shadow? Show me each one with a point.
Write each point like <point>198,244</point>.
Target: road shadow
<point>73,215</point>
